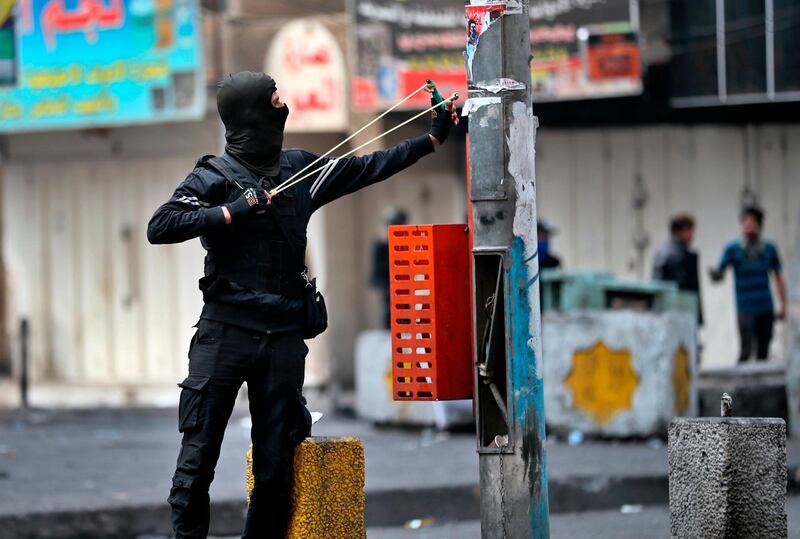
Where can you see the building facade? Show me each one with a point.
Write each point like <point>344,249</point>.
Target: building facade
<point>111,317</point>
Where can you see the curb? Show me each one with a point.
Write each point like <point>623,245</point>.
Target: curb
<point>383,509</point>
<point>114,523</point>
<point>386,508</point>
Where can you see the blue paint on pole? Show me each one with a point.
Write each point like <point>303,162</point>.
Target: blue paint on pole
<point>532,280</point>
<point>527,389</point>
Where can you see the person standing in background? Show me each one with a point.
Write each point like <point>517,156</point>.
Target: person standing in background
<point>753,259</point>
<point>676,262</point>
<point>547,260</point>
<point>380,260</point>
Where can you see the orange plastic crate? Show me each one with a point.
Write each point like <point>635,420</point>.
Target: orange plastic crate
<point>430,308</point>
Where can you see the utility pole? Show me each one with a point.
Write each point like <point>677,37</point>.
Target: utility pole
<point>508,382</point>
<point>793,341</point>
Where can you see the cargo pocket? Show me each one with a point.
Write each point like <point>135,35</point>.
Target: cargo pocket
<point>208,332</point>
<point>193,391</point>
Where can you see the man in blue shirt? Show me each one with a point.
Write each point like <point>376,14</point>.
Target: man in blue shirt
<point>753,259</point>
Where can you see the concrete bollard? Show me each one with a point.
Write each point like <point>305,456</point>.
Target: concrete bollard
<point>727,477</point>
<point>328,498</point>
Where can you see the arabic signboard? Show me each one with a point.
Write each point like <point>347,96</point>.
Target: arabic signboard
<point>584,49</point>
<point>309,67</point>
<point>581,48</point>
<point>8,49</point>
<point>81,63</point>
<point>400,45</point>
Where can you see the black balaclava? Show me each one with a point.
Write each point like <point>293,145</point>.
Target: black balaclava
<point>253,127</point>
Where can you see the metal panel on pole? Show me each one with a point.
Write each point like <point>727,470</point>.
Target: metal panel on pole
<point>508,389</point>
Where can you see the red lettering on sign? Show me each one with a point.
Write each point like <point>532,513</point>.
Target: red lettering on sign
<point>296,57</point>
<point>319,99</point>
<point>89,17</point>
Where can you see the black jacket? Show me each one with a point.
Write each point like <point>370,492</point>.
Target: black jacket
<point>194,211</point>
<point>676,263</point>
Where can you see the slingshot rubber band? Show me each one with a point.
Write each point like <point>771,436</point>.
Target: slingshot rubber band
<point>292,181</point>
<point>351,137</point>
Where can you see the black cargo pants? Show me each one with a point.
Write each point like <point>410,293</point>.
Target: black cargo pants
<point>221,357</point>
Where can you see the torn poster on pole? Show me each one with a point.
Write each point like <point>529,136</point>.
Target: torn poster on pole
<point>480,16</point>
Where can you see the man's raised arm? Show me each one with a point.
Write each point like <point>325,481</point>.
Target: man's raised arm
<point>353,173</point>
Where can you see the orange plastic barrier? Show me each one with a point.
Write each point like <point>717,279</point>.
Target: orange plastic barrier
<point>431,312</point>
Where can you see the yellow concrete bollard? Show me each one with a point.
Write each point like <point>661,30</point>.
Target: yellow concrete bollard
<point>328,494</point>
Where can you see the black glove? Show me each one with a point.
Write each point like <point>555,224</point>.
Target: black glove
<point>441,122</point>
<point>251,201</point>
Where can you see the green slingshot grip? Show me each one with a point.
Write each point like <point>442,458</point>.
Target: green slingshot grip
<point>437,96</point>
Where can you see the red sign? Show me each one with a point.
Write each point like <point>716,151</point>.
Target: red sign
<point>613,56</point>
<point>309,67</point>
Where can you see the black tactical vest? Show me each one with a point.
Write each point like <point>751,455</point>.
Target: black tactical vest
<point>254,254</point>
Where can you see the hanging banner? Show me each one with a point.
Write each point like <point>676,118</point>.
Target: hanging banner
<point>578,49</point>
<point>88,63</point>
<point>400,44</point>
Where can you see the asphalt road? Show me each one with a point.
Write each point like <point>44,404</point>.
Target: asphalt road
<point>648,523</point>
<point>66,461</point>
<point>117,463</point>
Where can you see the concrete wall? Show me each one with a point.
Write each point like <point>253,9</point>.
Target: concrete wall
<point>586,187</point>
<point>106,309</point>
<point>111,316</point>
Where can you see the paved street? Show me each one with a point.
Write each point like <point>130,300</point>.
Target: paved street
<point>112,468</point>
<point>122,458</point>
<point>649,523</point>
<point>127,456</point>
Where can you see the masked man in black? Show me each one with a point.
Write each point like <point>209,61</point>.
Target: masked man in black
<point>250,329</point>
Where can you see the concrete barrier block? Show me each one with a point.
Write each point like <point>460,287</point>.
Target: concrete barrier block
<point>374,401</point>
<point>727,478</point>
<point>328,497</point>
<point>618,373</point>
